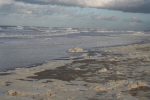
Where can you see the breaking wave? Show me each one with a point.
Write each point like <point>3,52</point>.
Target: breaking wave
<point>138,33</point>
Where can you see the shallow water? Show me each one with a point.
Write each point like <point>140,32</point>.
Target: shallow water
<point>29,46</point>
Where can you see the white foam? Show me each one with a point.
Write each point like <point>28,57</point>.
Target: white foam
<point>76,49</point>
<point>16,36</point>
<point>19,27</point>
<point>138,33</point>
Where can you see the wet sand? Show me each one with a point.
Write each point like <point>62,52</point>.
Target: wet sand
<point>121,73</point>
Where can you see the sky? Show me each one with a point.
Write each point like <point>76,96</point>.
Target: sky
<point>101,14</point>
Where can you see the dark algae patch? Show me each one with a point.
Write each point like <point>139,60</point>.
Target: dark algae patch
<point>8,83</point>
<point>87,70</point>
<point>3,74</point>
<point>141,92</point>
<point>61,73</point>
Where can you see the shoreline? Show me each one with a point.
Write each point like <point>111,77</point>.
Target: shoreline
<point>67,58</point>
<point>122,73</point>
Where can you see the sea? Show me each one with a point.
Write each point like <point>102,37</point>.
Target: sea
<point>26,46</point>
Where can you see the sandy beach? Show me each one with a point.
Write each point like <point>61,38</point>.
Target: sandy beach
<point>121,73</point>
<point>74,49</point>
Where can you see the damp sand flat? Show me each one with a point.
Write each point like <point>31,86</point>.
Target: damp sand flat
<point>121,73</point>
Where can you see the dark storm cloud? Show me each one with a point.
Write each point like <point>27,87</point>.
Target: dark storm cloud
<point>134,6</point>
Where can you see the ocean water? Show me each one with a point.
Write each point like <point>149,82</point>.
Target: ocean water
<point>31,46</point>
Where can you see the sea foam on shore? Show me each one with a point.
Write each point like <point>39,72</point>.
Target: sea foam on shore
<point>121,73</point>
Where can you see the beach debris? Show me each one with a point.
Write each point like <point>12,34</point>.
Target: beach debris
<point>77,69</point>
<point>113,59</point>
<point>13,92</point>
<point>126,83</point>
<point>98,88</point>
<point>118,95</point>
<point>76,49</point>
<point>118,73</point>
<point>102,70</point>
<point>30,95</point>
<point>136,84</point>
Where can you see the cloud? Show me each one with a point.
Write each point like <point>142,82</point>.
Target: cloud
<point>135,6</point>
<point>15,7</point>
<point>4,2</point>
<point>107,18</point>
<point>133,21</point>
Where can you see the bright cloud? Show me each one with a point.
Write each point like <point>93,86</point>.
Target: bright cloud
<point>4,2</point>
<point>139,6</point>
